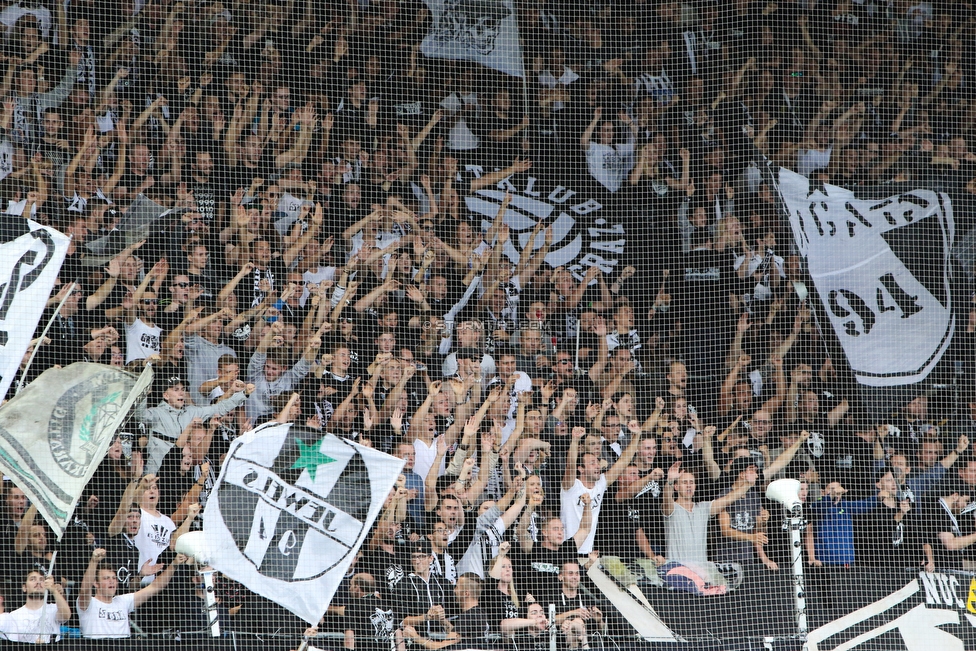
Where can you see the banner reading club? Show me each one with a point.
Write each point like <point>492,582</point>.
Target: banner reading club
<point>291,509</point>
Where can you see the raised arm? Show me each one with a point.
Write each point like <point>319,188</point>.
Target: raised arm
<point>725,398</point>
<point>569,472</point>
<point>430,481</point>
<point>773,404</point>
<point>667,499</point>
<point>586,521</point>
<point>518,165</point>
<point>128,497</point>
<point>740,488</point>
<point>22,539</point>
<point>88,580</point>
<point>627,456</point>
<point>591,127</point>
<point>423,133</point>
<point>159,583</point>
<point>602,352</point>
<point>708,453</point>
<point>784,459</point>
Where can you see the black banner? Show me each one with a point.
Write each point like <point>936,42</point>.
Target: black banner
<point>868,609</point>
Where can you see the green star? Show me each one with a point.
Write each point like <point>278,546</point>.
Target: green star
<point>310,458</point>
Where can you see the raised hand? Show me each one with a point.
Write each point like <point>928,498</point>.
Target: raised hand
<point>674,471</point>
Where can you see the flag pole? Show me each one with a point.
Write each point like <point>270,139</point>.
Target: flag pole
<point>40,340</point>
<point>525,72</point>
<point>40,622</point>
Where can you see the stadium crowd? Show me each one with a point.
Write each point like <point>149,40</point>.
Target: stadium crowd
<point>322,263</point>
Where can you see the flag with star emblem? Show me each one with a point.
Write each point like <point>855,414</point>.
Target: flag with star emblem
<point>291,509</point>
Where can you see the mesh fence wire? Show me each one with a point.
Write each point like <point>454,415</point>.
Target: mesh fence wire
<point>487,324</point>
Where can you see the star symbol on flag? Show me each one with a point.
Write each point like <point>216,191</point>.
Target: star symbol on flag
<point>310,458</point>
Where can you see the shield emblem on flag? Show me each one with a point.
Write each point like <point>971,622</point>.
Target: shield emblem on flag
<point>291,509</point>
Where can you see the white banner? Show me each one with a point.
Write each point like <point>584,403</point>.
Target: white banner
<point>483,31</point>
<point>882,270</point>
<point>55,432</point>
<point>29,266</point>
<point>290,511</point>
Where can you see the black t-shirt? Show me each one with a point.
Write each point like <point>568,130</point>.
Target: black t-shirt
<point>123,555</point>
<point>581,600</point>
<point>822,442</point>
<point>328,393</point>
<point>208,196</point>
<point>476,630</point>
<point>68,335</point>
<point>174,484</point>
<point>385,568</point>
<point>849,459</point>
<point>372,622</point>
<point>536,572</point>
<point>651,519</point>
<point>616,532</point>
<point>498,605</point>
<point>240,175</point>
<point>883,542</point>
<point>938,519</point>
<point>705,283</point>
<point>108,486</point>
<point>249,292</point>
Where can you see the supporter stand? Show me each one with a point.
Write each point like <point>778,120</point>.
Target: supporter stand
<point>594,274</point>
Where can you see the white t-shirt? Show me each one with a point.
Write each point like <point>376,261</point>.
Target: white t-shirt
<point>103,620</point>
<point>425,456</point>
<point>141,340</point>
<point>809,161</point>
<point>25,625</point>
<point>153,538</point>
<point>571,509</point>
<point>317,276</point>
<point>460,137</point>
<point>547,79</point>
<point>610,164</point>
<point>450,366</point>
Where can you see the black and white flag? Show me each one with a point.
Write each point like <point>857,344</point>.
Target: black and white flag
<point>482,31</point>
<point>291,509</point>
<point>882,269</point>
<point>55,432</point>
<point>29,266</point>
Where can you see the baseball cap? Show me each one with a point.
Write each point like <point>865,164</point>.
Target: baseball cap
<point>168,381</point>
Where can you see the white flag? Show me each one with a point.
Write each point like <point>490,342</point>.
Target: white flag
<point>882,270</point>
<point>29,266</point>
<point>291,509</point>
<point>483,31</point>
<point>55,432</point>
<point>6,159</point>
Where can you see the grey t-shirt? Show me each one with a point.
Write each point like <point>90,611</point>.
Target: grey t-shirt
<point>687,533</point>
<point>687,536</point>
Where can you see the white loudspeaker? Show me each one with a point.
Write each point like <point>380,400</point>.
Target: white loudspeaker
<point>194,545</point>
<point>784,491</point>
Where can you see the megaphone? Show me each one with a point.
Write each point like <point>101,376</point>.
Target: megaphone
<point>194,545</point>
<point>784,491</point>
